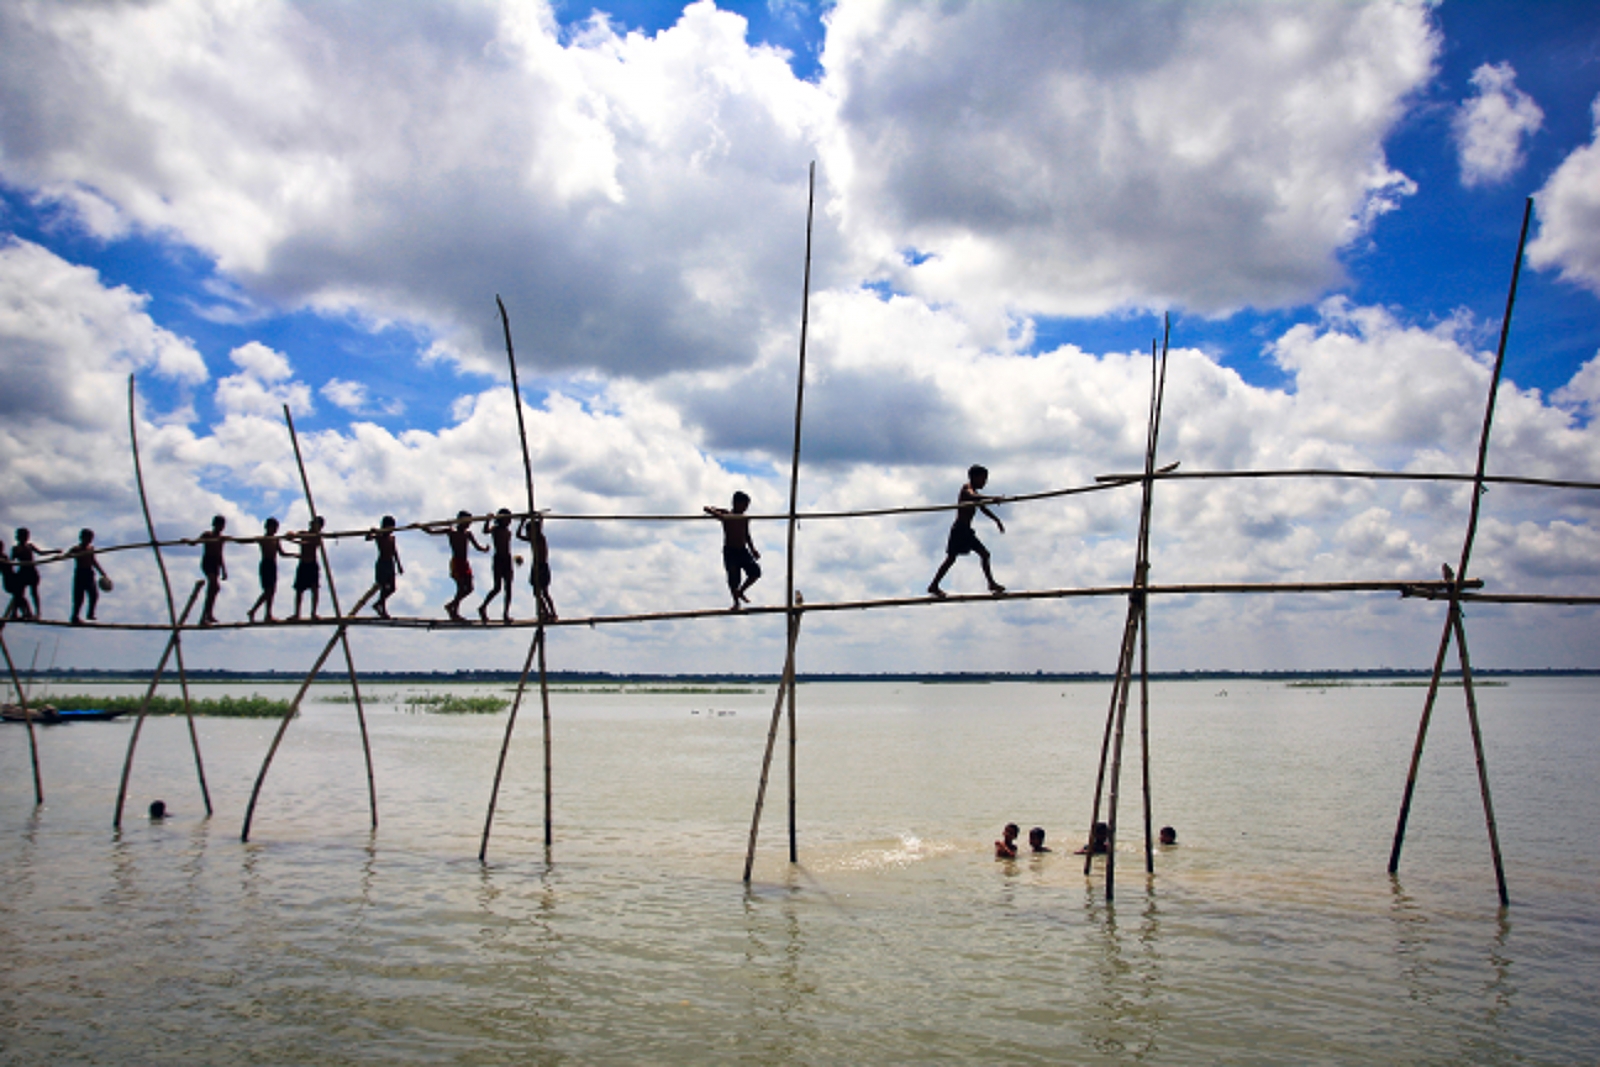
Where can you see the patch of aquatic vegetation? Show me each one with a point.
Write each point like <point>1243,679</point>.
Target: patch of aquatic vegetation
<point>454,704</point>
<point>1409,683</point>
<point>659,690</point>
<point>253,706</point>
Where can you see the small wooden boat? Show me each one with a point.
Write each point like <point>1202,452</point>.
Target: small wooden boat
<point>49,714</point>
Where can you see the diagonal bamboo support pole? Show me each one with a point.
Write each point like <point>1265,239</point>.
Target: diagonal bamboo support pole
<point>343,636</point>
<point>505,746</point>
<point>772,738</point>
<point>27,717</point>
<point>294,709</point>
<point>172,612</point>
<point>174,645</point>
<point>1457,582</point>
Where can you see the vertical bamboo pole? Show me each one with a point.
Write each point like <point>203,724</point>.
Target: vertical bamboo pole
<point>294,709</point>
<point>1453,617</point>
<point>505,745</point>
<point>544,701</point>
<point>172,612</point>
<point>1144,622</point>
<point>794,492</point>
<point>1144,738</point>
<point>27,717</point>
<point>539,640</point>
<point>174,642</point>
<point>1132,628</point>
<point>343,637</point>
<point>772,739</point>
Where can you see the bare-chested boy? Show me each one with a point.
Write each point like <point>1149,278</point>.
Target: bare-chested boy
<point>739,553</point>
<point>962,540</point>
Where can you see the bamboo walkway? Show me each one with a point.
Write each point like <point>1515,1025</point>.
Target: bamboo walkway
<point>1454,588</point>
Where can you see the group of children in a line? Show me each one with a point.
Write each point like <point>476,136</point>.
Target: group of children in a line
<point>739,560</point>
<point>1099,840</point>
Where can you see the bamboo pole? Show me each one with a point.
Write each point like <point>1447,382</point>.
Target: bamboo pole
<point>772,738</point>
<point>1111,743</point>
<point>172,611</point>
<point>544,700</point>
<point>1144,739</point>
<point>1457,581</point>
<point>794,497</point>
<point>174,643</point>
<point>1477,751</point>
<point>1103,483</point>
<point>343,636</point>
<point>27,717</point>
<point>538,606</point>
<point>294,708</point>
<point>505,745</point>
<point>1425,589</point>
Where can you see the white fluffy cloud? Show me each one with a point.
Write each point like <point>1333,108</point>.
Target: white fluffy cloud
<point>1491,125</point>
<point>1569,215</point>
<point>1071,158</point>
<point>640,199</point>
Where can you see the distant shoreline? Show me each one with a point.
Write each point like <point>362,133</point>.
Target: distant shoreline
<point>567,678</point>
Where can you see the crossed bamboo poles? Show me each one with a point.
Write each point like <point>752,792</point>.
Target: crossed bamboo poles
<point>1455,588</point>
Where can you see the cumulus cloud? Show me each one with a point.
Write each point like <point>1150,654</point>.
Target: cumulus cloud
<point>356,398</point>
<point>640,199</point>
<point>262,386</point>
<point>1071,158</point>
<point>1491,124</point>
<point>1569,215</point>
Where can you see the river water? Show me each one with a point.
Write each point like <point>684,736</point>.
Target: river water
<point>1271,934</point>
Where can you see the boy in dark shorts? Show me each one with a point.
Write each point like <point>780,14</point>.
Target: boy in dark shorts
<point>388,565</point>
<point>499,531</point>
<point>212,566</point>
<point>531,530</point>
<point>84,566</point>
<point>26,580</point>
<point>16,607</point>
<point>271,548</point>
<point>962,540</point>
<point>308,572</point>
<point>739,553</point>
<point>461,539</point>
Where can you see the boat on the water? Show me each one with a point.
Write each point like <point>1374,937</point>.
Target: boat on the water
<point>50,714</point>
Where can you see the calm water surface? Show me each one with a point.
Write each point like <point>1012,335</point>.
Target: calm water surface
<point>1271,935</point>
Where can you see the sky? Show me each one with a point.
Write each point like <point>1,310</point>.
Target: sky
<point>255,203</point>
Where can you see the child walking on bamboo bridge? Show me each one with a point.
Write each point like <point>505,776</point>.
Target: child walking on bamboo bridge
<point>531,530</point>
<point>461,539</point>
<point>499,531</point>
<point>739,553</point>
<point>308,572</point>
<point>213,567</point>
<point>962,540</point>
<point>388,565</point>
